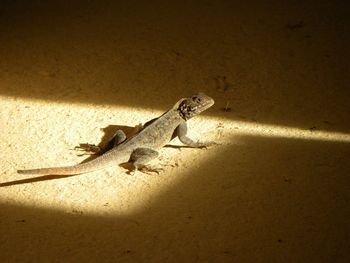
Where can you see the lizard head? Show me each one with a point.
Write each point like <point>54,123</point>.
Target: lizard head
<point>194,105</point>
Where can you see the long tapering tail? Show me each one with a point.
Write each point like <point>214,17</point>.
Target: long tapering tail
<point>69,170</point>
<point>101,162</point>
<point>94,165</point>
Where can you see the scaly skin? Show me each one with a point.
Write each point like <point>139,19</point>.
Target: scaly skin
<point>143,146</point>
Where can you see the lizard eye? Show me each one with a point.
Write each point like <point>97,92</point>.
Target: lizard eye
<point>196,99</point>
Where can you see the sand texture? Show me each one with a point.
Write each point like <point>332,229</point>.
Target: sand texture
<point>276,188</point>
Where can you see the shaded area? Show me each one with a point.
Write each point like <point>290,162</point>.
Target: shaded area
<point>273,200</point>
<point>277,63</point>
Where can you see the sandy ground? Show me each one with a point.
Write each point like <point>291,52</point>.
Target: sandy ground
<point>275,190</point>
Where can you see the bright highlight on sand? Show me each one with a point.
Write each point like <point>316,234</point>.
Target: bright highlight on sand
<point>266,130</point>
<point>125,194</point>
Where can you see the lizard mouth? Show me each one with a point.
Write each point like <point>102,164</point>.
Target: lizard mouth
<point>210,102</point>
<point>205,102</point>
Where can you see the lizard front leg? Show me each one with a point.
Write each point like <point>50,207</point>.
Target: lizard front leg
<point>181,132</point>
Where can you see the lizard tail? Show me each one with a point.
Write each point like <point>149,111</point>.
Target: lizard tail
<point>66,170</point>
<point>99,163</point>
<point>53,170</point>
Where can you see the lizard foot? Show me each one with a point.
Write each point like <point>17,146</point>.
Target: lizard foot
<point>206,145</point>
<point>87,149</point>
<point>150,169</point>
<point>147,169</point>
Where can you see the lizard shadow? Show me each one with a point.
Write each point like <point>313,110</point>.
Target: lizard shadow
<point>34,179</point>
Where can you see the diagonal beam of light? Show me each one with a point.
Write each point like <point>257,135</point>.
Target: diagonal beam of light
<point>269,130</point>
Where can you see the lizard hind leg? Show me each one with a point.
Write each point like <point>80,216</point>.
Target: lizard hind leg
<point>92,149</point>
<point>118,138</point>
<point>139,159</point>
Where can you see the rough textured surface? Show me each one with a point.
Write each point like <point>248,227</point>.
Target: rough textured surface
<point>276,190</point>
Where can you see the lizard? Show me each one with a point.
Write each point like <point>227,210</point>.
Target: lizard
<point>141,148</point>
